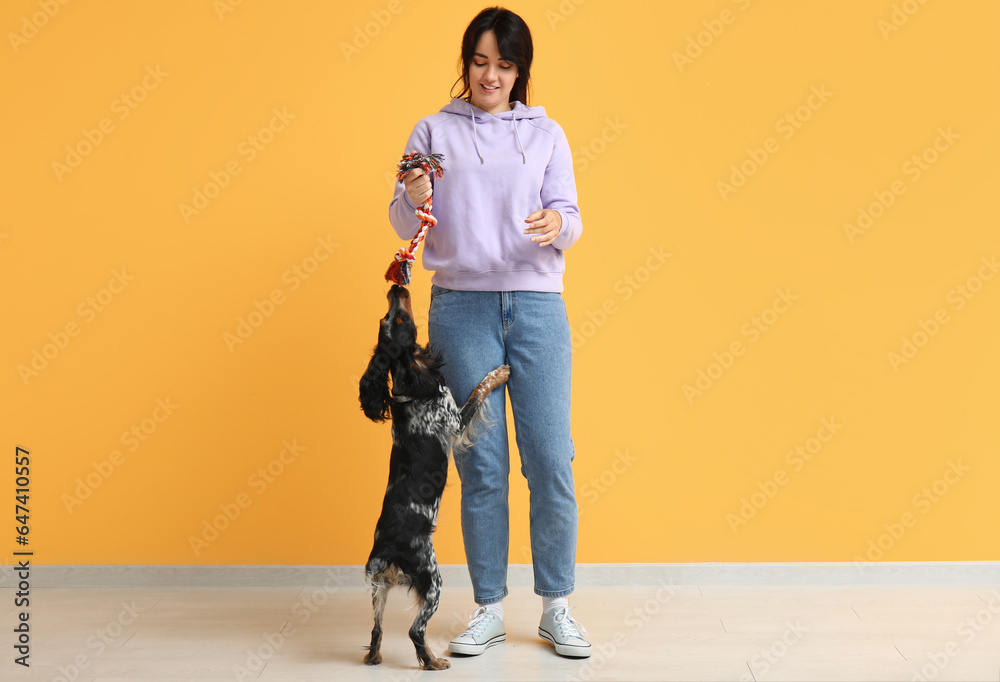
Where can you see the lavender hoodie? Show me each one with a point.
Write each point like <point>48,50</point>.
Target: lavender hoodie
<point>498,169</point>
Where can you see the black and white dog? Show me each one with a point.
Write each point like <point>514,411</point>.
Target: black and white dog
<point>426,425</point>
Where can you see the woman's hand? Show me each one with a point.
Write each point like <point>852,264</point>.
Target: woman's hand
<point>418,185</point>
<point>545,224</point>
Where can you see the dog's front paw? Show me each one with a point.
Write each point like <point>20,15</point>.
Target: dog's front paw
<point>437,664</point>
<point>373,658</point>
<point>499,375</point>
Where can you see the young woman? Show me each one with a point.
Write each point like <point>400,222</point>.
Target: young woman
<point>506,210</point>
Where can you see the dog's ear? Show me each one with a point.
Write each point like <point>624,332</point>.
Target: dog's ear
<point>420,378</point>
<point>374,394</point>
<point>419,383</point>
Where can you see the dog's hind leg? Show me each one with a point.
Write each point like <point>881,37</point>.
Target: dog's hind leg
<point>380,591</point>
<point>418,631</point>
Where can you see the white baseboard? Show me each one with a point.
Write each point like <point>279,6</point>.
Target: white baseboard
<point>520,575</point>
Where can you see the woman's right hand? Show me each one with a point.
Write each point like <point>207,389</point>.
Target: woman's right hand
<point>418,185</point>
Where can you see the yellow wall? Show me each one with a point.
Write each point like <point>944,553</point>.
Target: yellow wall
<point>825,104</point>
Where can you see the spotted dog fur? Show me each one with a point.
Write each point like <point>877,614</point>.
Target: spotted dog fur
<point>426,425</point>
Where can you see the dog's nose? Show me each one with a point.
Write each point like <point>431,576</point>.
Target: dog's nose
<point>399,299</point>
<point>398,295</point>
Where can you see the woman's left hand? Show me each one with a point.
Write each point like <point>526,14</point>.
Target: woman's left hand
<point>546,224</point>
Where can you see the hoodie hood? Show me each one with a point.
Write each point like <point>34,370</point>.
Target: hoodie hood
<point>478,117</point>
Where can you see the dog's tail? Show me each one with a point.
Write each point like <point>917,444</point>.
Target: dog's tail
<point>475,418</point>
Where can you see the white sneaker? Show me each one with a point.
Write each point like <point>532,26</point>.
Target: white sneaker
<point>561,629</point>
<point>485,630</point>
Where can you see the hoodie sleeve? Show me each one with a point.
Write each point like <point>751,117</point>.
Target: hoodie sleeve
<point>559,191</point>
<point>401,208</point>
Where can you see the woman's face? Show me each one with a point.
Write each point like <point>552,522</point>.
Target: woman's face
<point>490,77</point>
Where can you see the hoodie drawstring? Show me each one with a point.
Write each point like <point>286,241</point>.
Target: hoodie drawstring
<point>475,138</point>
<point>523,159</point>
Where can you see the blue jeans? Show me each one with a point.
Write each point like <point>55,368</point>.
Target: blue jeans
<point>476,332</point>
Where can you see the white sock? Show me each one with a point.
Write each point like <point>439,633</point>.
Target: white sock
<point>496,608</point>
<point>549,603</point>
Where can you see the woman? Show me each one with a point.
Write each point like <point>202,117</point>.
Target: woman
<point>506,210</point>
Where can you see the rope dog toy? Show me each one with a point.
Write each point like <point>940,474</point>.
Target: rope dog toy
<point>399,269</point>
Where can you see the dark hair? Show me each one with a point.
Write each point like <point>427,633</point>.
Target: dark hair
<point>513,42</point>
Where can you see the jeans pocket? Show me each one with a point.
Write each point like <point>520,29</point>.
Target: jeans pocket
<point>438,292</point>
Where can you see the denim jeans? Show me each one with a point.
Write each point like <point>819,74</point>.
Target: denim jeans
<point>476,332</point>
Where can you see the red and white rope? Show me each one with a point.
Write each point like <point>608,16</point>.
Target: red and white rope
<point>399,269</point>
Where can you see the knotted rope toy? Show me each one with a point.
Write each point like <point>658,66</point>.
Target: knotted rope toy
<point>399,269</point>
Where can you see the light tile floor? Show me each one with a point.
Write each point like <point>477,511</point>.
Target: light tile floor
<point>654,632</point>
